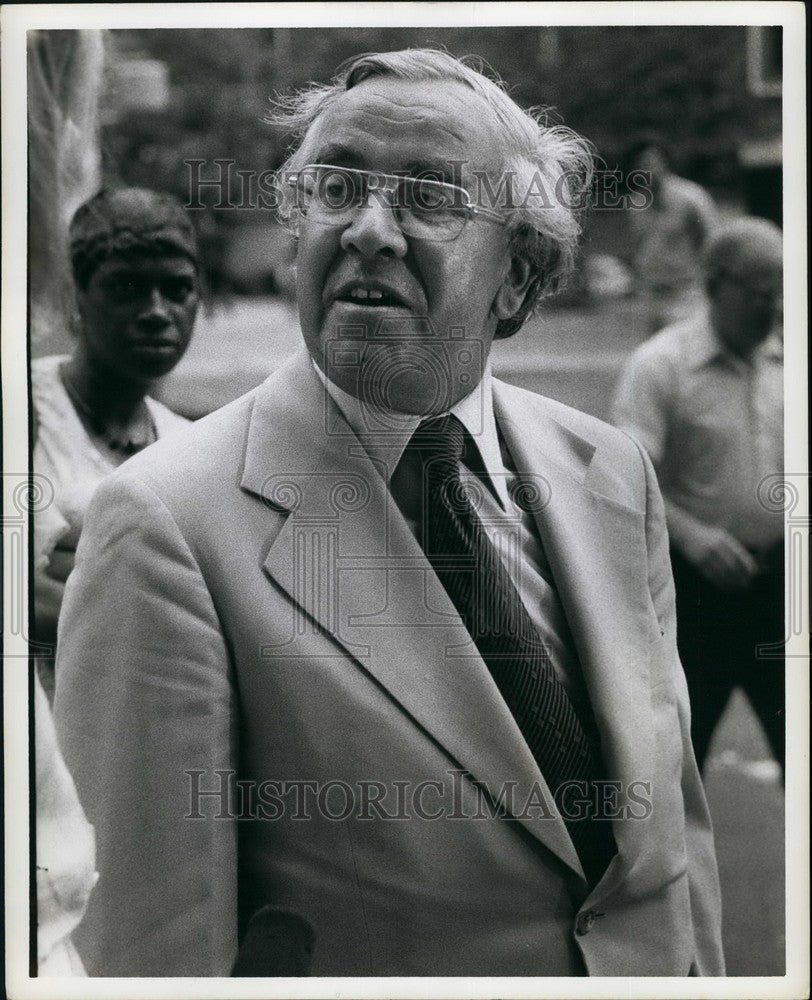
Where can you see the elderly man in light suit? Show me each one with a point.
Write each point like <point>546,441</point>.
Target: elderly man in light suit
<point>275,687</point>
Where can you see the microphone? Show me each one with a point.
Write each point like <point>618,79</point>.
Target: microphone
<point>277,942</point>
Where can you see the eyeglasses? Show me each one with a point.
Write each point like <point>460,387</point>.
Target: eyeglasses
<point>424,209</point>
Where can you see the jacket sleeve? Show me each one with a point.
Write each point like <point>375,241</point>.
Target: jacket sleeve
<point>706,904</point>
<point>144,696</point>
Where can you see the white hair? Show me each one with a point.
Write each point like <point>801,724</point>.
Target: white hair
<point>550,160</point>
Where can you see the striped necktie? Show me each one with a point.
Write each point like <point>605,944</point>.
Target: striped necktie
<point>476,580</point>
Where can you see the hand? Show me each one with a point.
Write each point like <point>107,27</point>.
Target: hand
<point>48,594</point>
<point>49,590</point>
<point>721,559</point>
<point>60,565</point>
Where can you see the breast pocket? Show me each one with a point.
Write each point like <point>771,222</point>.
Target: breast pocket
<point>707,424</point>
<point>705,454</point>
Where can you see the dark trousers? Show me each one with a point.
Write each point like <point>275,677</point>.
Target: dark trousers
<point>718,634</point>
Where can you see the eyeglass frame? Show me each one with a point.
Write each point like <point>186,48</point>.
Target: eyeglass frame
<point>395,180</point>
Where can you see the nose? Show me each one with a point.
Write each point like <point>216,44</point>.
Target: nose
<point>155,312</point>
<point>375,230</point>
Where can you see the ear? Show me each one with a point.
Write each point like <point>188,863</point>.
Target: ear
<point>79,303</point>
<point>511,293</point>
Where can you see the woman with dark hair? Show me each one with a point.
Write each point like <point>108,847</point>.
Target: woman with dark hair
<point>134,258</point>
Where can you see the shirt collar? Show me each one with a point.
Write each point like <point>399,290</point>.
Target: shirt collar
<point>707,347</point>
<point>385,433</point>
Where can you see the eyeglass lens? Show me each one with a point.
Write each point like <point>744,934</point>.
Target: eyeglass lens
<point>425,209</point>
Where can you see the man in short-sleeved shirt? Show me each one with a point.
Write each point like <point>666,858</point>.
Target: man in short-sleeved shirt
<point>704,397</point>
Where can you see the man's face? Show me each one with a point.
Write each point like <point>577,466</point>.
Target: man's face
<point>653,161</point>
<point>138,313</point>
<point>365,290</point>
<point>746,302</point>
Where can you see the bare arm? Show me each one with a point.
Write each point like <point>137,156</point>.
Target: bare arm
<point>720,557</point>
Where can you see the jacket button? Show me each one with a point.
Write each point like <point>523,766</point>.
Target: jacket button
<point>584,921</point>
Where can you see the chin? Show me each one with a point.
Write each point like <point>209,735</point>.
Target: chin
<point>423,399</point>
<point>151,372</point>
<point>755,337</point>
<point>418,382</point>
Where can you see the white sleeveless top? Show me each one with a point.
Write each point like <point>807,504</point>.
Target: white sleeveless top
<point>67,458</point>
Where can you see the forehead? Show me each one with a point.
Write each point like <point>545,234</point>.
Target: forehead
<point>393,125</point>
<point>651,153</point>
<point>146,262</point>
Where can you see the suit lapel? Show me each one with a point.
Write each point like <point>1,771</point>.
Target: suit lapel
<point>347,559</point>
<point>596,550</point>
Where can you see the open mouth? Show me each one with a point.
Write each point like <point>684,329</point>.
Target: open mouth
<point>372,297</point>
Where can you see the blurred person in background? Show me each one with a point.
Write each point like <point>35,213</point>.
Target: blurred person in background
<point>134,259</point>
<point>705,399</point>
<point>667,236</point>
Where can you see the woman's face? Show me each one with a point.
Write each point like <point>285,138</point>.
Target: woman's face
<point>137,314</point>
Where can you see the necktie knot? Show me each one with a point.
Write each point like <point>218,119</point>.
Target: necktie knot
<point>441,437</point>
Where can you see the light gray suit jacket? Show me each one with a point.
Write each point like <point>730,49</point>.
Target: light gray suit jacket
<point>248,604</point>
